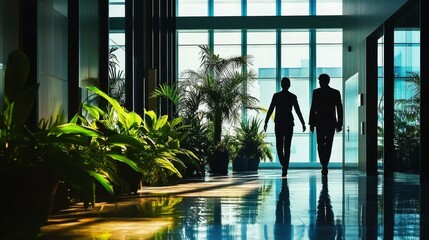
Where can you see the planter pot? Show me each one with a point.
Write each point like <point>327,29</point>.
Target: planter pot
<point>253,164</point>
<point>240,164</point>
<point>218,163</point>
<point>27,199</point>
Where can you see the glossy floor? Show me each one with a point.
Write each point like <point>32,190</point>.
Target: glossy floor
<point>345,205</point>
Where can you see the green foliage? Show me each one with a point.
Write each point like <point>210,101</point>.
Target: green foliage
<point>116,77</point>
<point>251,141</point>
<point>210,96</point>
<point>153,144</point>
<point>51,148</point>
<point>220,84</point>
<point>407,124</point>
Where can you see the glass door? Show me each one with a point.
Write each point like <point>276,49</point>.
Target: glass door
<point>351,124</point>
<point>406,119</point>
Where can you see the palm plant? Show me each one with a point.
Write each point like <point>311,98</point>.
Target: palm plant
<point>116,77</point>
<point>212,95</point>
<point>407,125</point>
<point>221,83</point>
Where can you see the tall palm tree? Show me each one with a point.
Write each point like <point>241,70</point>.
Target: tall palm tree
<point>222,84</point>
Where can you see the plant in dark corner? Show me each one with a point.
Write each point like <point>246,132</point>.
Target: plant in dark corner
<point>33,161</point>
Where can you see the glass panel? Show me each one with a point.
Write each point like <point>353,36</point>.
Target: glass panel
<point>295,7</point>
<point>188,51</point>
<point>261,7</point>
<point>407,94</point>
<point>117,40</point>
<point>117,10</point>
<point>300,87</point>
<point>261,46</point>
<point>291,37</point>
<point>186,8</point>
<point>329,7</point>
<point>52,61</point>
<point>295,61</point>
<point>329,36</point>
<point>295,65</point>
<point>227,7</point>
<point>351,121</point>
<point>329,59</point>
<point>380,106</point>
<point>227,44</point>
<point>117,54</point>
<point>230,37</point>
<point>299,152</point>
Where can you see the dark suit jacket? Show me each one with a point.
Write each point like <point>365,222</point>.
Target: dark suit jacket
<point>283,102</point>
<point>326,108</point>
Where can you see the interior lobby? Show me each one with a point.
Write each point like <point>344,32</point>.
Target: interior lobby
<point>378,181</point>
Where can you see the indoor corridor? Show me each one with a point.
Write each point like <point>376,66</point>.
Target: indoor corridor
<point>345,205</point>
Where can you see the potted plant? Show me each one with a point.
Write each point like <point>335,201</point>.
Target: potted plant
<point>31,163</point>
<point>221,155</point>
<point>221,84</point>
<point>251,146</point>
<point>34,161</point>
<point>153,143</point>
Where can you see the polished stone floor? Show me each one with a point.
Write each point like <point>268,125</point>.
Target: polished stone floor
<point>345,205</point>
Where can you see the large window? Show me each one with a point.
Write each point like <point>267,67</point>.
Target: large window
<point>189,8</point>
<point>276,54</point>
<point>298,53</point>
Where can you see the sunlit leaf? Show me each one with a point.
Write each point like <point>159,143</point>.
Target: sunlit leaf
<point>124,159</point>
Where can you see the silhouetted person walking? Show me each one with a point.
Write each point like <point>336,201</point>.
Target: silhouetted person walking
<point>283,102</point>
<point>326,114</point>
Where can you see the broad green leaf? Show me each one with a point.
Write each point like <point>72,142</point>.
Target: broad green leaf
<point>133,119</point>
<point>173,143</point>
<point>16,75</point>
<point>176,121</point>
<point>165,163</point>
<point>64,138</point>
<point>103,181</point>
<point>23,104</point>
<point>150,113</point>
<point>161,122</point>
<point>124,159</point>
<point>94,111</point>
<point>115,104</point>
<point>125,140</point>
<point>71,128</point>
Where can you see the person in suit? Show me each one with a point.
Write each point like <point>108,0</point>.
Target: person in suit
<point>283,102</point>
<point>326,115</point>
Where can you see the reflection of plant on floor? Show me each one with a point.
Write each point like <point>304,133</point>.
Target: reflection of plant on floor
<point>254,202</point>
<point>407,124</point>
<point>158,206</point>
